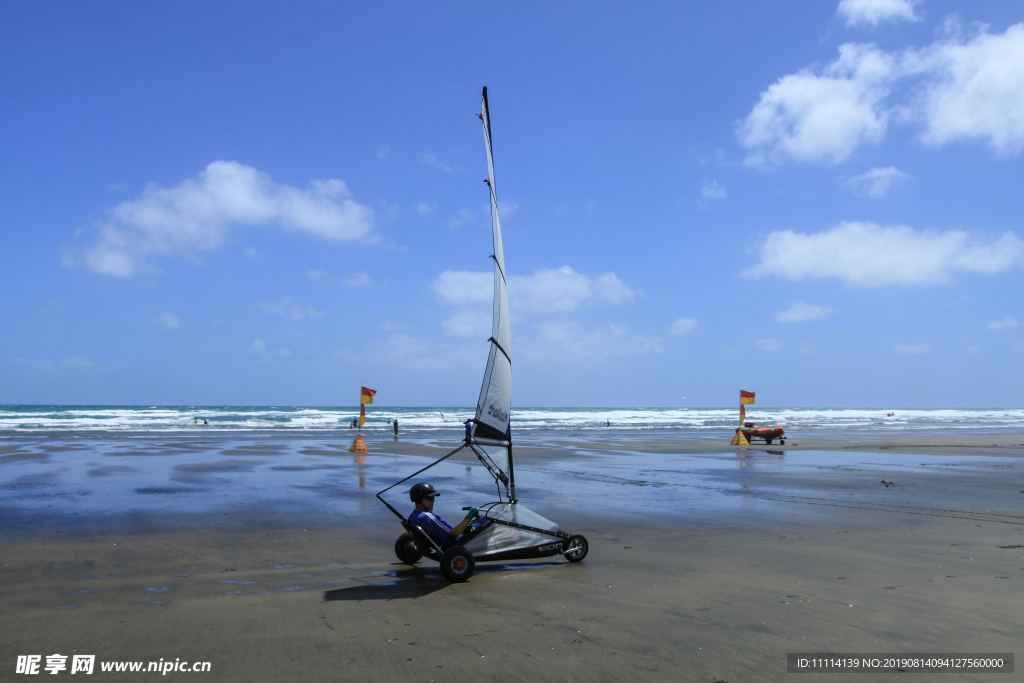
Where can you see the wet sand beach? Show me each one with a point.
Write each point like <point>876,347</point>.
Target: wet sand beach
<point>270,558</point>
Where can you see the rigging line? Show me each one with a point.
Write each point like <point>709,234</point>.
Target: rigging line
<point>417,472</point>
<point>492,339</point>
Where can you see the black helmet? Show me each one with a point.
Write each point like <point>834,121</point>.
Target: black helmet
<point>422,490</point>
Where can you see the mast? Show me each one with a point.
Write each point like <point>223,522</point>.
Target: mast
<point>493,408</point>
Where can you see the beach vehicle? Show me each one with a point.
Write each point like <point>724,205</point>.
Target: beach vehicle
<point>506,529</point>
<point>768,434</point>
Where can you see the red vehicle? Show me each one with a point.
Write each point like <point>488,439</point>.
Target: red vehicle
<point>768,434</point>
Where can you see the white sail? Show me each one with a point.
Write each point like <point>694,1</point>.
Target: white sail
<point>495,402</point>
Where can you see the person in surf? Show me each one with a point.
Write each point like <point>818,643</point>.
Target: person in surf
<point>435,526</point>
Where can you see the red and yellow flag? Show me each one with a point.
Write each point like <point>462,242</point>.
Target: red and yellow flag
<point>365,397</point>
<point>746,399</point>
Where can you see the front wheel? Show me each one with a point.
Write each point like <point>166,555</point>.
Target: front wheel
<point>406,550</point>
<point>457,564</point>
<point>576,549</point>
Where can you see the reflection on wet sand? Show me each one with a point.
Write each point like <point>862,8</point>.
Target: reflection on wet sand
<point>221,478</point>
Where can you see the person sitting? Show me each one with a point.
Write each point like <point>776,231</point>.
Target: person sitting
<point>435,526</point>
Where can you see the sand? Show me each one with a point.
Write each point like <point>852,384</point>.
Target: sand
<point>707,563</point>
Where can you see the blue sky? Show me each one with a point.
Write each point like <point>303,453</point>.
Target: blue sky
<point>273,204</point>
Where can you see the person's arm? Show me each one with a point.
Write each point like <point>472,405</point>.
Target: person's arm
<point>460,528</point>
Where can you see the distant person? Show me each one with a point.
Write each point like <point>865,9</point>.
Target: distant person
<point>469,429</point>
<point>205,422</point>
<point>396,427</point>
<point>607,423</point>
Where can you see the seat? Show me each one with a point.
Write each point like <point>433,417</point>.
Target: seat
<point>424,542</point>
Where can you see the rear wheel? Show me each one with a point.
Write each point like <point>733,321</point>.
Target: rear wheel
<point>576,548</point>
<point>768,442</point>
<point>457,564</point>
<point>406,549</point>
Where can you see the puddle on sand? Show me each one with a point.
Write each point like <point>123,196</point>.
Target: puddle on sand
<point>163,589</point>
<point>66,607</point>
<point>152,477</point>
<point>289,589</point>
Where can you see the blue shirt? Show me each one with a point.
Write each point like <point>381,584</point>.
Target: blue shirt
<point>434,526</point>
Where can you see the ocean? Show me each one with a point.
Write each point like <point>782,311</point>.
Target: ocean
<point>55,420</point>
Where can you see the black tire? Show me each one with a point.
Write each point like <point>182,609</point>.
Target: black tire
<point>406,550</point>
<point>768,442</point>
<point>457,564</point>
<point>576,548</point>
<point>782,442</point>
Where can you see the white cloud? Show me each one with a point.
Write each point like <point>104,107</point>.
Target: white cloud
<point>770,345</point>
<point>712,191</point>
<point>874,12</point>
<point>166,321</point>
<point>682,327</point>
<point>425,209</point>
<point>354,280</point>
<point>289,309</point>
<point>810,117</point>
<point>418,353</point>
<point>1007,323</point>
<point>562,289</point>
<point>977,90</point>
<point>535,299</point>
<point>435,161</point>
<point>72,364</point>
<point>506,207</point>
<point>877,182</point>
<point>195,215</point>
<point>553,290</point>
<point>801,311</point>
<point>463,287</point>
<point>869,255</point>
<point>571,342</point>
<point>461,218</point>
<point>973,348</point>
<point>912,349</point>
<point>259,349</point>
<point>959,89</point>
<point>467,323</point>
